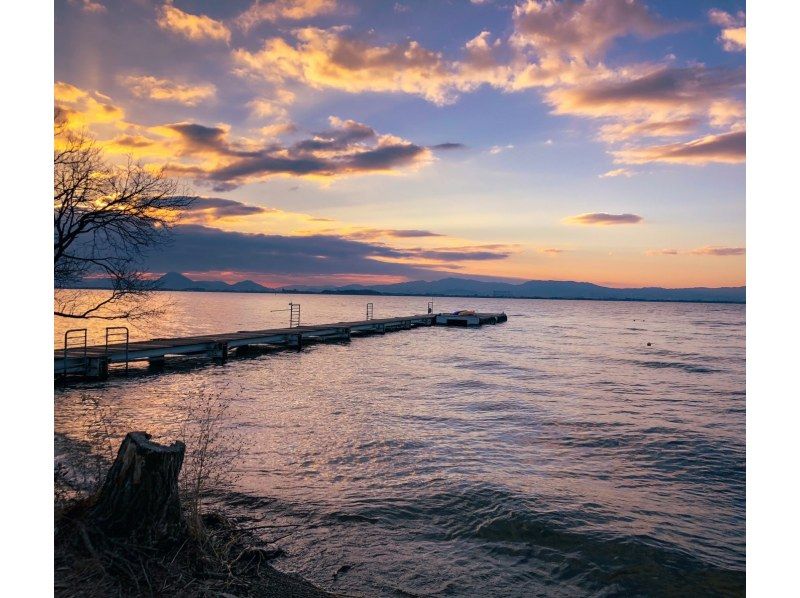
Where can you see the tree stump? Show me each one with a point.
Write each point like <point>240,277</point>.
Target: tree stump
<point>139,497</point>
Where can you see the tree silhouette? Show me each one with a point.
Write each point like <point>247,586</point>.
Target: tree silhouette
<point>106,216</point>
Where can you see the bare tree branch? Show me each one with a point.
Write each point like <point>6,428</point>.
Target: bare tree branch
<point>105,218</point>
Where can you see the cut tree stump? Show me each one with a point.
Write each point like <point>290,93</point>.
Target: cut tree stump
<point>139,497</point>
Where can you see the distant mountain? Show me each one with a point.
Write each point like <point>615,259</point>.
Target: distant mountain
<point>248,286</point>
<point>462,287</point>
<point>558,289</point>
<point>174,281</point>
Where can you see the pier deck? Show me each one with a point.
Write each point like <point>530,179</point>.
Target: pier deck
<point>94,360</point>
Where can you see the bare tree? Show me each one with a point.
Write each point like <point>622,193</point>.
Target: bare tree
<point>106,216</point>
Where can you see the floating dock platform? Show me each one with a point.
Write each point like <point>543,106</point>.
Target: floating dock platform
<point>93,361</point>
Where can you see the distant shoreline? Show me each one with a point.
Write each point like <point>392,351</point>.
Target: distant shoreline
<point>367,293</point>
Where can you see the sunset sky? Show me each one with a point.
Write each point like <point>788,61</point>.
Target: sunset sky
<point>344,141</point>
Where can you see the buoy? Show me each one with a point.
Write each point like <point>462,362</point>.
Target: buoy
<point>648,344</point>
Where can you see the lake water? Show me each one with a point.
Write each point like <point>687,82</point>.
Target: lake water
<point>556,454</point>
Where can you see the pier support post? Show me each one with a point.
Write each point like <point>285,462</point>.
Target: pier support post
<point>97,367</point>
<point>299,342</point>
<point>220,351</point>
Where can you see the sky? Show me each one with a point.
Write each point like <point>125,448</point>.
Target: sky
<point>344,141</point>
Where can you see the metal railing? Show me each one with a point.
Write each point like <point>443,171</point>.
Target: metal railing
<point>294,314</point>
<point>75,340</point>
<point>118,335</point>
<point>430,307</point>
<point>369,311</point>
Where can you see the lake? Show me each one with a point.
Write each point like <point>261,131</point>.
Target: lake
<point>554,454</point>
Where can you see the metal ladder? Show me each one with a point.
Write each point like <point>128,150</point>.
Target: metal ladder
<point>294,315</point>
<point>369,311</point>
<point>118,335</point>
<point>75,340</point>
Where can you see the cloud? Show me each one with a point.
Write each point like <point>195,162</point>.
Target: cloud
<point>733,34</point>
<point>90,6</point>
<point>627,173</point>
<point>556,46</point>
<point>193,27</point>
<point>552,250</point>
<point>603,219</point>
<point>498,149</point>
<point>460,254</point>
<point>79,108</point>
<point>283,10</point>
<point>347,148</point>
<point>648,94</point>
<point>198,248</point>
<point>164,90</point>
<point>211,155</point>
<point>448,146</point>
<point>728,148</point>
<point>274,106</point>
<point>718,251</point>
<point>337,59</point>
<point>712,250</point>
<point>622,131</point>
<point>583,30</point>
<point>210,209</point>
<point>377,233</point>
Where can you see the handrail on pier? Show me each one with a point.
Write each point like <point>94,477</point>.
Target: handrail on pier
<point>294,314</point>
<point>75,335</point>
<point>119,333</point>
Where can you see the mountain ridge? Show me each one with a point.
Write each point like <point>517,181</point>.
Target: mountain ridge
<point>465,287</point>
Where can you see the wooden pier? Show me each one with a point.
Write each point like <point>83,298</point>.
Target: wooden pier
<point>78,358</point>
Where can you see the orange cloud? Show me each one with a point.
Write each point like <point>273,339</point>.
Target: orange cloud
<point>728,148</point>
<point>211,155</point>
<point>78,108</point>
<point>331,59</point>
<point>582,30</point>
<point>193,27</point>
<point>733,34</point>
<point>603,219</point>
<point>89,6</point>
<point>164,90</point>
<point>287,10</point>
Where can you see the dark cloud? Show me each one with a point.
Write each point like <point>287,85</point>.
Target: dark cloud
<point>602,218</point>
<point>199,138</point>
<point>197,248</point>
<point>217,207</point>
<point>448,146</point>
<point>459,255</point>
<point>384,157</point>
<point>667,86</point>
<point>728,148</point>
<point>348,147</point>
<point>349,133</point>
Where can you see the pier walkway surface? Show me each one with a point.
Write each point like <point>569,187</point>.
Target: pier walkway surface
<point>78,358</point>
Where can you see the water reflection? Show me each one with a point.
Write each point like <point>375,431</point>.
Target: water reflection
<point>556,453</point>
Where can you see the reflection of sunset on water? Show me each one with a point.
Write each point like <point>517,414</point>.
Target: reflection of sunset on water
<point>558,427</point>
